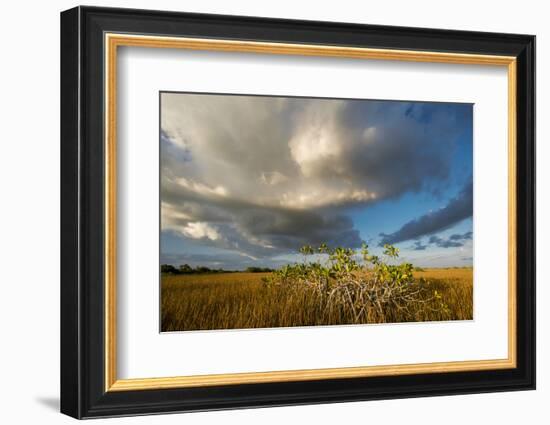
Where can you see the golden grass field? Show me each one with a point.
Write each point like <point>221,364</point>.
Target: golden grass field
<point>241,300</point>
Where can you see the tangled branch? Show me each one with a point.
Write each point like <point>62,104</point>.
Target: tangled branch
<point>357,283</point>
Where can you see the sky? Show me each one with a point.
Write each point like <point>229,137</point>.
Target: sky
<point>247,180</point>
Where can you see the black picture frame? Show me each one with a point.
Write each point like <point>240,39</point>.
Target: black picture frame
<point>83,392</point>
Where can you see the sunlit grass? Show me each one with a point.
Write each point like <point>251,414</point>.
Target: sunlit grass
<point>242,300</point>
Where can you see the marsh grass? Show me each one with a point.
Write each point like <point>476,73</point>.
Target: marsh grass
<point>244,300</point>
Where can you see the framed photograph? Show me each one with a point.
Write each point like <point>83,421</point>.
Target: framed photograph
<point>261,212</point>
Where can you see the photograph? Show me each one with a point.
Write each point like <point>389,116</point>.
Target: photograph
<point>280,211</point>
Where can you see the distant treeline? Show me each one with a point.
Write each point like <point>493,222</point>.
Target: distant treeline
<point>187,269</point>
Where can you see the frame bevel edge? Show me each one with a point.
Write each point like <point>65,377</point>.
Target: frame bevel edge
<point>527,204</point>
<point>71,383</point>
<point>110,188</point>
<point>312,23</point>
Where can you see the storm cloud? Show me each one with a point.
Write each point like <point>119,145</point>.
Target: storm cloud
<point>446,243</point>
<point>457,209</point>
<point>260,176</point>
<point>456,240</point>
<point>419,246</point>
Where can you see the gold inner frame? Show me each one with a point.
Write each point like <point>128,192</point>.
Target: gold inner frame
<point>113,41</point>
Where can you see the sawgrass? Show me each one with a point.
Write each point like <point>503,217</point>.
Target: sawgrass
<point>243,300</point>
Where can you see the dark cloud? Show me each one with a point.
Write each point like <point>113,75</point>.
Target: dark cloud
<point>459,237</point>
<point>252,228</point>
<point>444,243</point>
<point>418,246</point>
<point>289,229</point>
<point>457,209</point>
<point>454,241</point>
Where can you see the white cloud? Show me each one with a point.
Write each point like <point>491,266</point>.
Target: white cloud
<point>317,139</point>
<point>198,230</point>
<point>202,188</point>
<point>315,198</point>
